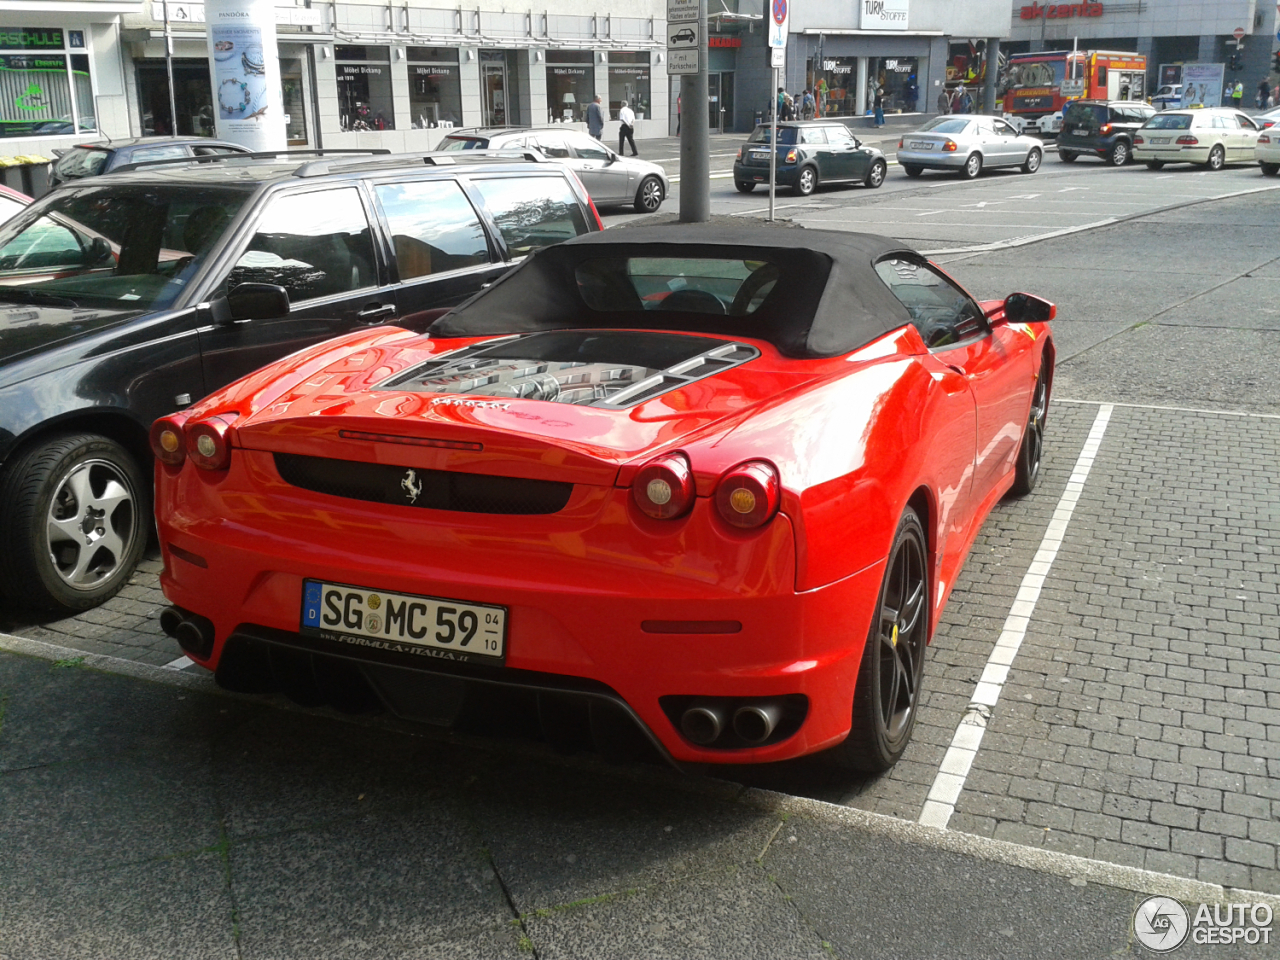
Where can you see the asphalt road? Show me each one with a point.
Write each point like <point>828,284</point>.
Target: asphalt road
<point>1138,723</point>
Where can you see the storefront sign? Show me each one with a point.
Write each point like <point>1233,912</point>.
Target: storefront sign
<point>682,11</point>
<point>568,71</point>
<point>1061,11</point>
<point>724,41</point>
<point>245,67</point>
<point>883,14</point>
<point>30,38</point>
<point>837,66</point>
<point>194,13</point>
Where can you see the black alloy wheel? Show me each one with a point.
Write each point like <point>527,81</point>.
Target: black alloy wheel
<point>1066,156</point>
<point>887,695</point>
<point>875,176</point>
<point>76,514</point>
<point>1217,158</point>
<point>972,166</point>
<point>744,187</point>
<point>649,196</point>
<point>806,181</point>
<point>1032,163</point>
<point>1119,155</point>
<point>1031,452</point>
<point>911,170</point>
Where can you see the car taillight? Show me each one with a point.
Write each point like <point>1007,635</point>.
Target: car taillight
<point>899,144</point>
<point>1268,123</point>
<point>663,489</point>
<point>791,156</point>
<point>1187,140</point>
<point>748,495</point>
<point>1264,139</point>
<point>950,147</point>
<point>1137,140</point>
<point>1104,129</point>
<point>739,157</point>
<point>167,441</point>
<point>207,445</point>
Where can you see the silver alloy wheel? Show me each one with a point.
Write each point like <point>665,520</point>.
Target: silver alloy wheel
<point>1032,163</point>
<point>808,180</point>
<point>650,195</point>
<point>973,166</point>
<point>90,527</point>
<point>875,176</point>
<point>1217,158</point>
<point>1119,153</point>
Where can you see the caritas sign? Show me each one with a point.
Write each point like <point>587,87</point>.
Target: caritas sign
<point>1061,11</point>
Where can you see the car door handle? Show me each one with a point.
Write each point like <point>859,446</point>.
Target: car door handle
<point>377,311</point>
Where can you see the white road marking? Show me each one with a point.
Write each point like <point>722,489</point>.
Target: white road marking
<point>1025,196</point>
<point>1156,406</point>
<point>180,664</point>
<point>953,772</point>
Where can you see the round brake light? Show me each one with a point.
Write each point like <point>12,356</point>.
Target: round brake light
<point>748,495</point>
<point>207,445</point>
<point>167,442</point>
<point>664,489</point>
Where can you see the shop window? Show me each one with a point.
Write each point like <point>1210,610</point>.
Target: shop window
<point>364,87</point>
<point>44,89</point>
<point>571,85</point>
<point>192,96</point>
<point>435,87</point>
<point>294,95</point>
<point>629,82</point>
<point>836,86</point>
<point>898,77</point>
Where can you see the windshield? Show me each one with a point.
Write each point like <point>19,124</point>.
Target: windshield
<point>134,247</point>
<point>786,135</point>
<point>1085,114</point>
<point>463,143</point>
<point>945,125</point>
<point>1024,74</point>
<point>1169,121</point>
<point>81,162</point>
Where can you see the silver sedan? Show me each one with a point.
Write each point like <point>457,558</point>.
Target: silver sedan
<point>609,177</point>
<point>966,143</point>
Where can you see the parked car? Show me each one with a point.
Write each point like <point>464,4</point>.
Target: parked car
<point>1213,136</point>
<point>966,144</point>
<point>810,152</point>
<point>705,488</point>
<point>93,159</point>
<point>609,177</point>
<point>1169,95</point>
<point>1268,118</point>
<point>1102,128</point>
<point>1267,152</point>
<point>126,297</point>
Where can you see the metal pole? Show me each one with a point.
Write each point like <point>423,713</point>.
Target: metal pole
<point>773,142</point>
<point>992,56</point>
<point>695,135</point>
<point>168,66</point>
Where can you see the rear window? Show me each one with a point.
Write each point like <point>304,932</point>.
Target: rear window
<point>168,151</point>
<point>1084,114</point>
<point>945,125</point>
<point>532,212</point>
<point>463,143</point>
<point>81,162</point>
<point>786,135</point>
<point>1169,121</point>
<point>690,285</point>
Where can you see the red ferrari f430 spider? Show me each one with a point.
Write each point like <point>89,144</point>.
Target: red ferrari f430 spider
<point>710,487</point>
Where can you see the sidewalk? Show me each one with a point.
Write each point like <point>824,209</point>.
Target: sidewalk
<point>145,814</point>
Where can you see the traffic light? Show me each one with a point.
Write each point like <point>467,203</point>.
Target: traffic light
<point>1233,62</point>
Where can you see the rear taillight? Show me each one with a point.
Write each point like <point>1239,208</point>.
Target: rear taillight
<point>899,144</point>
<point>1187,140</point>
<point>1268,123</point>
<point>167,441</point>
<point>1138,141</point>
<point>950,147</point>
<point>663,489</point>
<point>748,495</point>
<point>1105,129</point>
<point>791,156</point>
<point>207,445</point>
<point>1264,139</point>
<point>739,153</point>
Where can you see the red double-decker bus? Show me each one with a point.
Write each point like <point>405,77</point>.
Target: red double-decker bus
<point>1037,86</point>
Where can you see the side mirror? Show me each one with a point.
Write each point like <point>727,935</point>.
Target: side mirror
<point>99,250</point>
<point>611,156</point>
<point>258,301</point>
<point>1026,308</point>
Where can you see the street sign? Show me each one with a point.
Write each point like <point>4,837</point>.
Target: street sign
<point>682,36</point>
<point>1238,32</point>
<point>682,11</point>
<point>682,61</point>
<point>778,57</point>
<point>779,12</point>
<point>1072,87</point>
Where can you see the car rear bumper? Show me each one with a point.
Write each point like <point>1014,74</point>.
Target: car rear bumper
<point>1173,154</point>
<point>750,173</point>
<point>603,607</point>
<point>929,158</point>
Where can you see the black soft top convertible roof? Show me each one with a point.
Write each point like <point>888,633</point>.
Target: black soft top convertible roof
<point>828,300</point>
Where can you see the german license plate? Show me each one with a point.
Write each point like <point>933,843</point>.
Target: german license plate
<point>1160,139</point>
<point>404,622</point>
<point>759,154</point>
<point>920,145</point>
<point>1080,132</point>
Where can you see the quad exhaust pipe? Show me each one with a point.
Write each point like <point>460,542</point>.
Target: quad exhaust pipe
<point>193,632</point>
<point>702,724</point>
<point>755,723</point>
<point>751,723</point>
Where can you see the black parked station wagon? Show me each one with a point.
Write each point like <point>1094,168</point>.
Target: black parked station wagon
<point>124,298</point>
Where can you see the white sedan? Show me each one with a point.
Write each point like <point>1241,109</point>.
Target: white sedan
<point>1267,151</point>
<point>966,144</point>
<point>1212,137</point>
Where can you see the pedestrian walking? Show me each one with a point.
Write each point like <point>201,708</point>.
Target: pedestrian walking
<point>966,101</point>
<point>677,114</point>
<point>808,105</point>
<point>595,118</point>
<point>944,101</point>
<point>627,129</point>
<point>1264,93</point>
<point>1237,94</point>
<point>878,105</point>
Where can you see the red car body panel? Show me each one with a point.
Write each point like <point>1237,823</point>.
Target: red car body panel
<point>855,439</point>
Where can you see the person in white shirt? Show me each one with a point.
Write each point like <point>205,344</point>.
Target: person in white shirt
<point>627,118</point>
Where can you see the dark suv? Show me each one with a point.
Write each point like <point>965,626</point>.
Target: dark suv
<point>1103,128</point>
<point>124,298</point>
<point>809,152</point>
<point>92,159</point>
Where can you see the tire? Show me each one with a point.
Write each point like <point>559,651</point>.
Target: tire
<point>1217,158</point>
<point>744,187</point>
<point>911,170</point>
<point>806,182</point>
<point>887,693</point>
<point>1120,154</point>
<point>1269,169</point>
<point>649,195</point>
<point>1031,452</point>
<point>1066,156</point>
<point>972,167</point>
<point>1032,163</point>
<point>1155,164</point>
<point>875,176</point>
<point>50,493</point>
